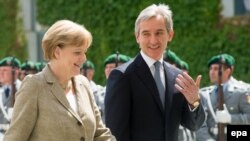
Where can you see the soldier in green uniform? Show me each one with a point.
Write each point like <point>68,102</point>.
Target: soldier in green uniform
<point>88,70</point>
<point>9,69</point>
<point>236,103</point>
<point>28,67</point>
<point>171,57</point>
<point>184,134</point>
<point>111,62</point>
<point>40,65</point>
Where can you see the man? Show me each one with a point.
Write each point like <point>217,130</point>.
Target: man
<point>111,62</point>
<point>175,60</point>
<point>236,99</point>
<point>40,65</point>
<point>88,70</point>
<point>9,69</point>
<point>171,57</point>
<point>147,99</point>
<point>28,67</point>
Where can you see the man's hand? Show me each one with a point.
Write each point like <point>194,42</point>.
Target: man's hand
<point>188,87</point>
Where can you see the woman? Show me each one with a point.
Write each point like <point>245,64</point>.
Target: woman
<point>57,104</point>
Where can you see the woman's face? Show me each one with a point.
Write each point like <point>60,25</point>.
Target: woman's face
<point>71,58</point>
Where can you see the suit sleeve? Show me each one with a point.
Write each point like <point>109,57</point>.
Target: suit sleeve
<point>202,134</point>
<point>25,111</point>
<point>118,105</point>
<point>193,120</point>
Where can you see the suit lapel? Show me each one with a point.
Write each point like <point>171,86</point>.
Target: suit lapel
<point>58,92</point>
<point>170,88</point>
<point>169,82</point>
<point>146,77</point>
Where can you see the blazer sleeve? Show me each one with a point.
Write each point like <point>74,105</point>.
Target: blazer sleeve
<point>25,111</point>
<point>102,133</point>
<point>117,105</point>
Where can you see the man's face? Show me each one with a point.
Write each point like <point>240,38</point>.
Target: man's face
<point>109,67</point>
<point>214,73</point>
<point>6,75</point>
<point>89,73</point>
<point>153,37</point>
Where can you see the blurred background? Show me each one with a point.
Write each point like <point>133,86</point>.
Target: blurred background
<point>202,29</point>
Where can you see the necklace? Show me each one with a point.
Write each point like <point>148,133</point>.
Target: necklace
<point>67,86</point>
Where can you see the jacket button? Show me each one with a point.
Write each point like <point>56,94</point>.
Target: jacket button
<point>79,123</point>
<point>82,139</point>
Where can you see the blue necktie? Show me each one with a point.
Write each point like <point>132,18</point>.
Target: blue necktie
<point>159,83</point>
<point>7,92</point>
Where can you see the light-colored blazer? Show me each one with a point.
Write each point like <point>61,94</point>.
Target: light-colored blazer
<point>42,112</point>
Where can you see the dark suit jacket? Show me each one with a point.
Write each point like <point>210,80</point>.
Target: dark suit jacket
<point>133,108</point>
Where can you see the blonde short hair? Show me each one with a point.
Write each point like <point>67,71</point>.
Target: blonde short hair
<point>64,33</point>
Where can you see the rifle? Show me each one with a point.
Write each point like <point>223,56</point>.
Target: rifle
<point>117,59</point>
<point>13,85</point>
<point>221,126</point>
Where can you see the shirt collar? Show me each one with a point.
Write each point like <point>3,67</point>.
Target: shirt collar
<point>149,61</point>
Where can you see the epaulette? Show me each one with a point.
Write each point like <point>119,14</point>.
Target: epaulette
<point>240,88</point>
<point>208,89</point>
<point>244,84</point>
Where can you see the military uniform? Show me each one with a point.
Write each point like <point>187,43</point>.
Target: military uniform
<point>40,65</point>
<point>117,59</point>
<point>236,99</point>
<point>6,98</point>
<point>88,65</point>
<point>28,67</point>
<point>99,98</point>
<point>184,134</point>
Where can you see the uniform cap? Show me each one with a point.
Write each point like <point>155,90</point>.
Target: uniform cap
<point>10,61</point>
<point>171,57</point>
<point>88,65</point>
<point>40,65</point>
<point>225,58</point>
<point>113,58</point>
<point>183,65</point>
<point>29,65</point>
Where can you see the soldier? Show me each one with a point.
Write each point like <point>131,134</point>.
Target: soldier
<point>9,69</point>
<point>88,70</point>
<point>28,67</point>
<point>171,57</point>
<point>183,65</point>
<point>111,62</point>
<point>236,103</point>
<point>40,65</point>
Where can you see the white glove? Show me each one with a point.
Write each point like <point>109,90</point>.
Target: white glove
<point>223,116</point>
<point>210,140</point>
